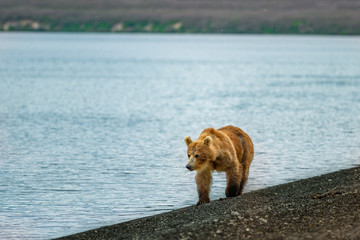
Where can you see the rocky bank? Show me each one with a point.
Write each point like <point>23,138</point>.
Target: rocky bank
<point>322,207</point>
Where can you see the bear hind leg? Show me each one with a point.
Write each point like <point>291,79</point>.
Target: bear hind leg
<point>243,180</point>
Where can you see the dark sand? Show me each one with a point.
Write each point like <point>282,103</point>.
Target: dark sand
<point>323,207</point>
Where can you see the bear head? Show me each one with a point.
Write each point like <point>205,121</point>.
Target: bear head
<point>199,153</point>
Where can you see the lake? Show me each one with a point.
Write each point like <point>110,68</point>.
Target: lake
<point>92,125</point>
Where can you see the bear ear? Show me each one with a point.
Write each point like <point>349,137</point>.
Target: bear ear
<point>187,140</point>
<point>207,140</point>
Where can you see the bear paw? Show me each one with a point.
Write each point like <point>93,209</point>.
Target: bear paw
<point>202,201</point>
<point>232,191</point>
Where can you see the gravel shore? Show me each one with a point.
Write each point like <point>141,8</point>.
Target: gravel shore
<point>323,207</point>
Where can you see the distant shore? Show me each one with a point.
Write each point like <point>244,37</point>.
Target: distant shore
<point>196,16</point>
<point>322,207</point>
<point>292,27</point>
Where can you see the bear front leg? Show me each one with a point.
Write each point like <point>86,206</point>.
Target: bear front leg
<point>203,181</point>
<point>233,177</point>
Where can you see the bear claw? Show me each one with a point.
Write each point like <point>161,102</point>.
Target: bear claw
<point>201,202</point>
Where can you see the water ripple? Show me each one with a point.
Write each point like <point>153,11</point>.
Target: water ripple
<point>92,126</point>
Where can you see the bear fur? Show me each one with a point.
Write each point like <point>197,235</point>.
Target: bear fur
<point>227,149</point>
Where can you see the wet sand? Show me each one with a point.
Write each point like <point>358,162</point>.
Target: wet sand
<point>322,207</point>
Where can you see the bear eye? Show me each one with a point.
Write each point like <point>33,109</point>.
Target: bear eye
<point>188,155</point>
<point>196,156</point>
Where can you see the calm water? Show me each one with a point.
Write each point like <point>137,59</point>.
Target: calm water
<point>92,125</point>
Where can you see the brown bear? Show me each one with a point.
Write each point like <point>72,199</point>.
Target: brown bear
<point>227,149</point>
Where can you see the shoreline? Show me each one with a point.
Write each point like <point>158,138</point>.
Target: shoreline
<point>227,16</point>
<point>321,207</point>
<point>284,33</point>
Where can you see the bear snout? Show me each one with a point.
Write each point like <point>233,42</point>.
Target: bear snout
<point>188,166</point>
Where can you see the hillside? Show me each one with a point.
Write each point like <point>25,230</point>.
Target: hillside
<point>198,16</point>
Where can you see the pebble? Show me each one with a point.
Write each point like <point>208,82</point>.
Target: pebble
<point>235,213</point>
<point>263,220</point>
<point>232,222</point>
